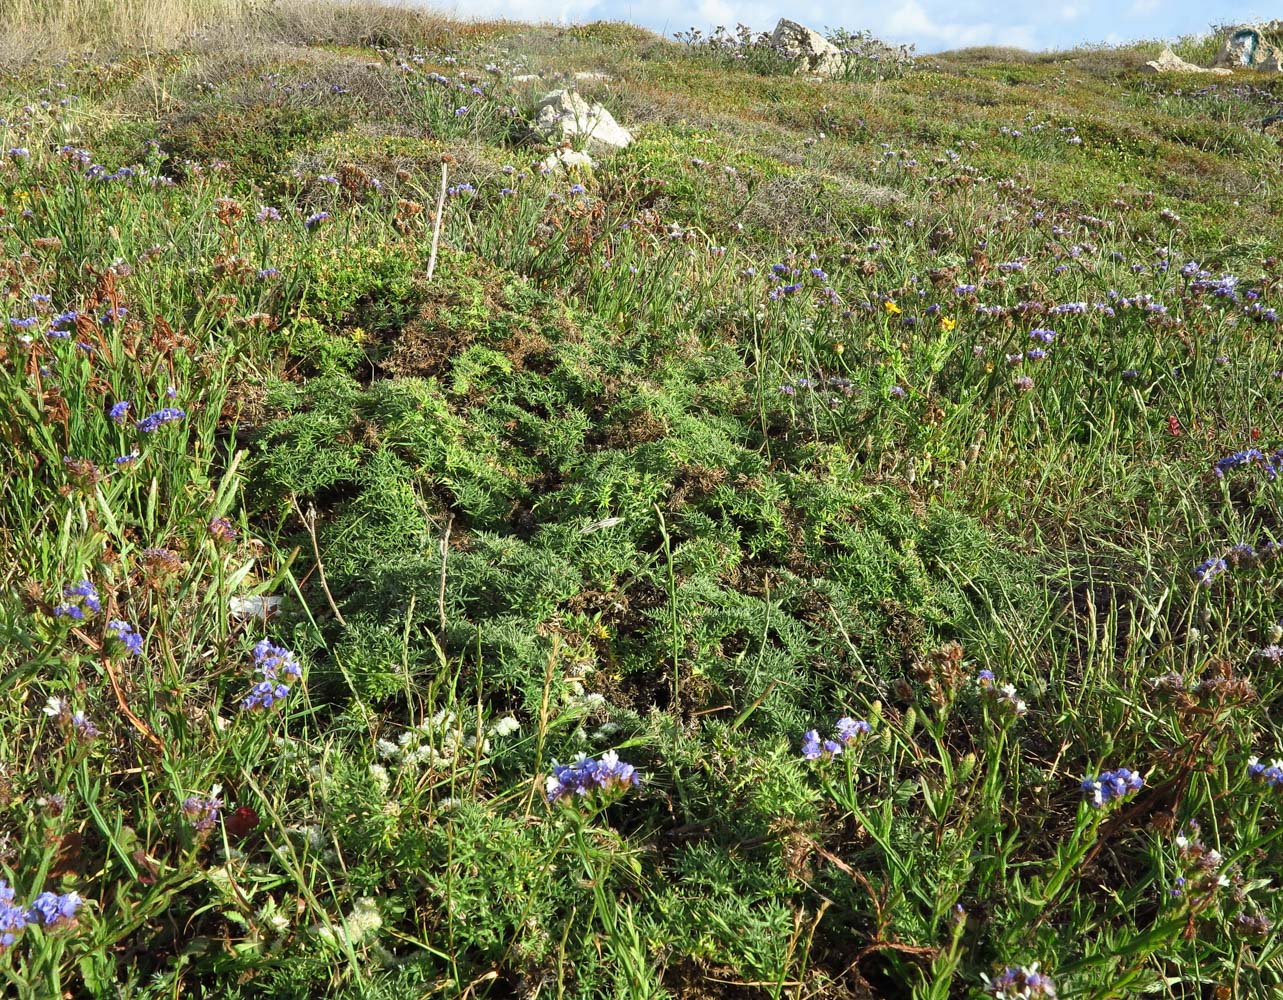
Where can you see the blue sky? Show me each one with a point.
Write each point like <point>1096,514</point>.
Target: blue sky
<point>932,25</point>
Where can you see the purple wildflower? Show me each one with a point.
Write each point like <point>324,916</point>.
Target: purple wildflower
<point>1110,786</point>
<point>52,910</point>
<point>585,776</point>
<point>83,596</point>
<point>1271,774</point>
<point>264,695</point>
<point>1020,983</point>
<point>1208,570</point>
<point>850,730</point>
<point>202,812</point>
<point>84,725</point>
<point>126,634</point>
<point>151,423</point>
<point>12,918</point>
<point>222,530</point>
<point>273,661</point>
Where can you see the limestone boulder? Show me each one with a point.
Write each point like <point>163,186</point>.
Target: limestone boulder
<point>812,52</point>
<point>567,161</point>
<point>564,116</point>
<point>1169,62</point>
<point>1247,47</point>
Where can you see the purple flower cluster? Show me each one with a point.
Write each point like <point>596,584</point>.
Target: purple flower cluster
<point>1250,456</point>
<point>1209,569</point>
<point>846,732</point>
<point>12,917</point>
<point>1110,786</point>
<point>1003,695</point>
<point>84,725</point>
<point>127,634</point>
<point>202,811</point>
<point>49,910</point>
<point>831,384</point>
<point>1224,287</point>
<point>154,421</point>
<point>1271,774</point>
<point>1020,983</point>
<point>80,598</point>
<point>221,529</point>
<point>585,776</point>
<point>1205,869</point>
<point>277,665</point>
<point>119,411</point>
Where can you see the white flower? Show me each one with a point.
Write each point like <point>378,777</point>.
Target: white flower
<point>55,707</point>
<point>505,726</point>
<point>272,917</point>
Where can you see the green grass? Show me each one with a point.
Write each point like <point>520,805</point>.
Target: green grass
<point>738,437</point>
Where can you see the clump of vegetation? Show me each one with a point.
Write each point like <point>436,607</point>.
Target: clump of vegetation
<point>828,549</point>
<point>864,56</point>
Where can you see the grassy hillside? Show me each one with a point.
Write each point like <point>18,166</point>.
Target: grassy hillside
<point>884,468</point>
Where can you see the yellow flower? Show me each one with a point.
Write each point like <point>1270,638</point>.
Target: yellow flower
<point>947,324</point>
<point>891,307</point>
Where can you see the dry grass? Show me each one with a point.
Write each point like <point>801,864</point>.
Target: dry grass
<point>31,29</point>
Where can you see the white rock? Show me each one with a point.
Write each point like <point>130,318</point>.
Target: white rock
<point>1246,47</point>
<point>253,607</point>
<point>564,115</point>
<point>567,161</point>
<point>1169,62</point>
<point>812,51</point>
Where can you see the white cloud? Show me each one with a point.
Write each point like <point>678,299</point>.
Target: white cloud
<point>911,22</point>
<point>1070,12</point>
